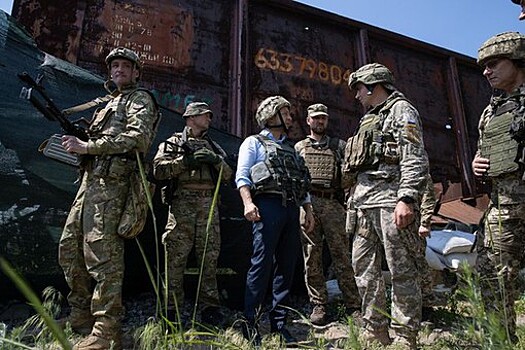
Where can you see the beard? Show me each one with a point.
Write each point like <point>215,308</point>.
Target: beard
<point>319,130</point>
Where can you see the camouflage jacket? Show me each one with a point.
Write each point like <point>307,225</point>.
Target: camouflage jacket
<point>169,162</point>
<point>507,188</point>
<point>428,203</point>
<point>384,186</point>
<point>125,124</point>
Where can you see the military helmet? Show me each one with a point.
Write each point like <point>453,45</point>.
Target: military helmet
<point>373,73</point>
<point>123,52</point>
<point>268,108</point>
<point>197,108</point>
<point>509,45</point>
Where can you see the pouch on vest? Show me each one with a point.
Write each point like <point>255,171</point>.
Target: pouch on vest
<point>260,175</point>
<point>135,211</point>
<point>365,150</point>
<point>52,148</point>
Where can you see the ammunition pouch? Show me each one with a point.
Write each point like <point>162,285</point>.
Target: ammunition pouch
<point>52,148</point>
<point>351,219</point>
<point>135,210</point>
<point>365,150</point>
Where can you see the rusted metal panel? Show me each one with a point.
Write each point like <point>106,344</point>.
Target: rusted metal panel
<point>233,54</point>
<point>458,211</point>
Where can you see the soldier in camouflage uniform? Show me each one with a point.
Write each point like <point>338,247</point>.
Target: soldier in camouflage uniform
<point>388,160</point>
<point>192,160</point>
<point>90,248</point>
<point>324,156</point>
<point>500,158</point>
<point>522,4</point>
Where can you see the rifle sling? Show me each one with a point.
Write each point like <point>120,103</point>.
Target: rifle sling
<point>87,105</point>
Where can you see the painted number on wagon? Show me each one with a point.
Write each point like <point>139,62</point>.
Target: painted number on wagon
<point>298,65</point>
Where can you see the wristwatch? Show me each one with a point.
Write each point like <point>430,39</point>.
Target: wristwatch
<point>407,200</point>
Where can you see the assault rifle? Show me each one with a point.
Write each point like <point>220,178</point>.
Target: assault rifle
<point>52,148</point>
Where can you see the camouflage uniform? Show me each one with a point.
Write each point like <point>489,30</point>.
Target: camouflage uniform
<point>428,202</point>
<point>329,217</point>
<point>90,248</point>
<point>501,126</point>
<point>189,210</point>
<point>394,171</point>
<point>504,223</point>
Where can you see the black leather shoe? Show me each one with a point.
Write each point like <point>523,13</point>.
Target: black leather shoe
<point>286,337</point>
<point>250,332</point>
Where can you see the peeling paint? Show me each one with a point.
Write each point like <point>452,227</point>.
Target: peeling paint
<point>10,164</point>
<point>14,213</point>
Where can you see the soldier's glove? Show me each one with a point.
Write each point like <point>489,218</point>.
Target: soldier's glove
<point>207,156</point>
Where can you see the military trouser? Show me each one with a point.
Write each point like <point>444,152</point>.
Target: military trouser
<point>500,259</point>
<point>330,218</point>
<point>376,229</point>
<point>90,249</point>
<point>425,272</point>
<point>186,228</point>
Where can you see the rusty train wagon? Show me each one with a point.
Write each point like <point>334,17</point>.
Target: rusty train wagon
<point>233,54</point>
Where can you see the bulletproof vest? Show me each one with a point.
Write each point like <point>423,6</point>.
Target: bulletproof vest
<point>496,142</point>
<point>322,162</point>
<point>112,120</point>
<point>100,126</point>
<point>205,174</point>
<point>283,172</point>
<point>367,148</point>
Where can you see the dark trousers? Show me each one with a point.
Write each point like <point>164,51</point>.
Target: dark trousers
<point>276,247</point>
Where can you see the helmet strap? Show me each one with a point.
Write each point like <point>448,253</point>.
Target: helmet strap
<point>281,125</point>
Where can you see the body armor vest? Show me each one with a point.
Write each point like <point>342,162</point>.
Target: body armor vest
<point>322,163</point>
<point>497,144</point>
<point>367,148</point>
<point>112,120</point>
<point>283,172</point>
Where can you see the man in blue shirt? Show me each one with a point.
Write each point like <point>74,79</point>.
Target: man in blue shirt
<point>273,182</point>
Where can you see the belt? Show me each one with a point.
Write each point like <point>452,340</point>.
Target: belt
<point>196,193</point>
<point>323,194</point>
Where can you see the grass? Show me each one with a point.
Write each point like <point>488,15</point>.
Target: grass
<point>464,322</point>
<point>468,328</point>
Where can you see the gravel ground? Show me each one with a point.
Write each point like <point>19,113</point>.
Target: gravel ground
<point>142,307</point>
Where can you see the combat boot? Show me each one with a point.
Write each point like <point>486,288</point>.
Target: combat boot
<point>380,335</point>
<point>106,335</point>
<point>81,321</point>
<point>408,343</point>
<point>318,316</point>
<point>95,342</point>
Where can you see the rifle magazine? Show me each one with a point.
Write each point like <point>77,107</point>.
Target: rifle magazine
<point>52,148</point>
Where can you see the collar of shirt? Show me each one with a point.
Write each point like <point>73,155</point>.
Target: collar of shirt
<point>268,133</point>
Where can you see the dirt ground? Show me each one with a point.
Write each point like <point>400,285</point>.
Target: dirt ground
<point>140,308</point>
